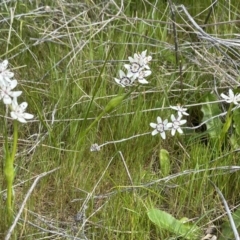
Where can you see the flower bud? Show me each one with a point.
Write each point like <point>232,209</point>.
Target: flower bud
<point>113,103</point>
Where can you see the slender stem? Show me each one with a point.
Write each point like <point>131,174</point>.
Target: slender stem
<point>9,178</point>
<point>15,140</point>
<point>227,124</point>
<point>177,55</point>
<point>112,104</point>
<point>9,171</point>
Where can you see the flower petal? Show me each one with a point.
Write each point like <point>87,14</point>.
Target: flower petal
<point>13,83</point>
<point>163,135</point>
<point>185,113</point>
<point>153,125</point>
<point>159,120</point>
<point>143,81</point>
<point>231,94</point>
<point>7,100</point>
<point>127,66</point>
<point>28,116</point>
<point>21,119</point>
<point>147,73</point>
<point>15,94</point>
<point>149,58</point>
<point>117,80</point>
<point>3,65</point>
<point>173,131</point>
<point>182,121</point>
<point>9,74</point>
<point>23,106</point>
<point>173,118</point>
<point>135,56</point>
<point>224,96</point>
<point>13,115</point>
<point>131,59</point>
<point>165,122</point>
<point>154,132</point>
<point>180,130</point>
<point>121,73</point>
<point>143,54</point>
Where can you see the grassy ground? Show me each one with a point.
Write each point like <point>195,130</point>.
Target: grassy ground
<point>65,55</point>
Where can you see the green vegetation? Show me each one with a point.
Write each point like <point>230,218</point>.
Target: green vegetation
<point>65,56</point>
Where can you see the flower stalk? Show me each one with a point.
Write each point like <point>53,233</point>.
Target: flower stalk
<point>226,126</point>
<point>17,112</point>
<point>9,170</point>
<point>112,104</point>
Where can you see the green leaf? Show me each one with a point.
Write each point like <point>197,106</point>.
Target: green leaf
<point>226,126</point>
<point>214,126</point>
<point>234,140</point>
<point>236,119</point>
<point>166,221</point>
<point>227,232</point>
<point>164,162</point>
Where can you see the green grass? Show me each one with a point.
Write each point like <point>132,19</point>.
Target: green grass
<point>58,56</point>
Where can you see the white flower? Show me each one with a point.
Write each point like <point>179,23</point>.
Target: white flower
<point>145,59</point>
<point>231,98</point>
<point>95,148</point>
<point>142,74</point>
<point>124,80</point>
<point>6,92</point>
<point>175,124</point>
<point>4,73</point>
<point>160,127</point>
<point>18,111</point>
<point>141,59</point>
<point>180,109</point>
<point>133,69</point>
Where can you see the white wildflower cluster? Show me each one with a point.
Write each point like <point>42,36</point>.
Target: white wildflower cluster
<point>9,97</point>
<point>176,122</point>
<point>175,125</point>
<point>138,69</point>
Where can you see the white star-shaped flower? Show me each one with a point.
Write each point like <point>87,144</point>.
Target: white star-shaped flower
<point>142,74</point>
<point>4,73</point>
<point>18,111</point>
<point>6,92</point>
<point>133,69</point>
<point>231,98</point>
<point>175,124</point>
<point>124,79</point>
<point>181,110</point>
<point>141,59</point>
<point>160,127</point>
